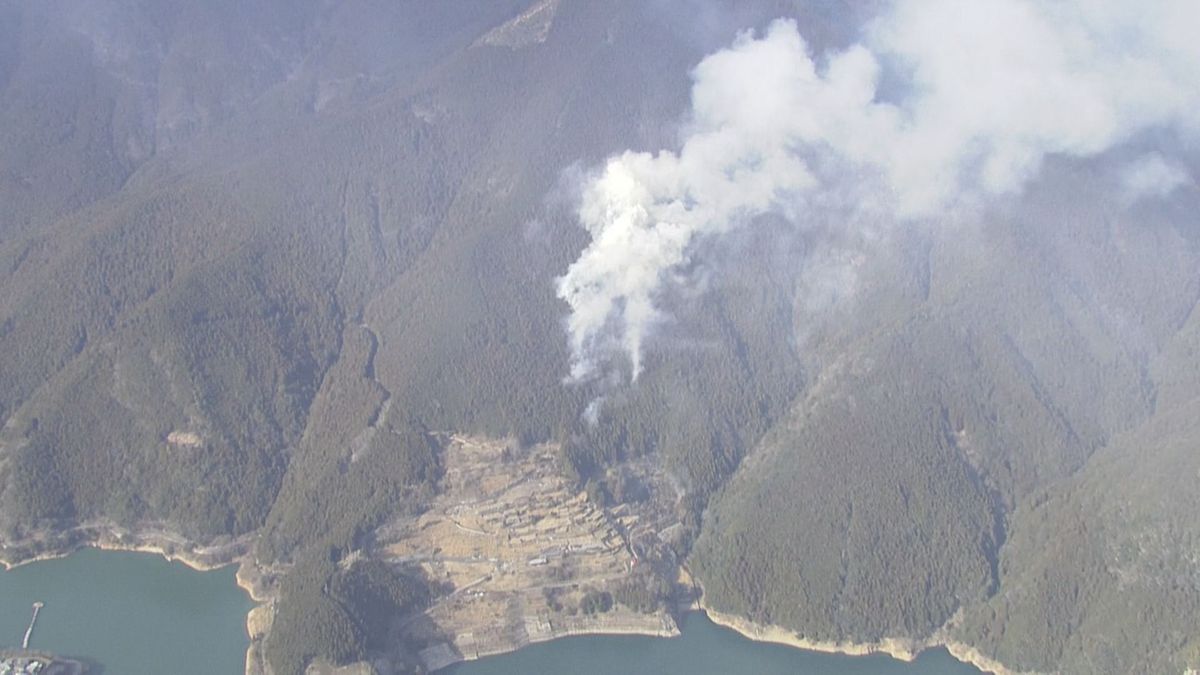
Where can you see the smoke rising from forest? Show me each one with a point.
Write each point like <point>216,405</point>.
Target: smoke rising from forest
<point>939,106</point>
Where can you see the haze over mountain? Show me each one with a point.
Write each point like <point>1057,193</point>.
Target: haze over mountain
<point>900,297</point>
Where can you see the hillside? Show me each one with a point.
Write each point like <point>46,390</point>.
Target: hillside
<point>955,457</point>
<point>258,263</point>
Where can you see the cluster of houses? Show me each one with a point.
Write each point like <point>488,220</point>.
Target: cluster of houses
<point>28,664</point>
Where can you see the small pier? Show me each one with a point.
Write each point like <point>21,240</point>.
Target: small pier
<point>37,607</point>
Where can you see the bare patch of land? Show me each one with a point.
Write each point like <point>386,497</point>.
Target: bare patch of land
<point>529,28</point>
<point>520,556</point>
<point>188,439</point>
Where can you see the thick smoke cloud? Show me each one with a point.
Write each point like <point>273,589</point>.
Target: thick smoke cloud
<point>941,105</point>
<point>1152,176</point>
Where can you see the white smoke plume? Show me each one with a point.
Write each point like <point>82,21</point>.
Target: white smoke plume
<point>977,94</point>
<point>1152,176</point>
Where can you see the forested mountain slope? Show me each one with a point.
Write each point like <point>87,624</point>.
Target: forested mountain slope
<point>998,435</point>
<point>255,259</point>
<point>1100,575</point>
<point>281,270</point>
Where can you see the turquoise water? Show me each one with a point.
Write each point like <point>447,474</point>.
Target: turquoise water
<point>137,614</point>
<point>704,649</point>
<point>130,613</point>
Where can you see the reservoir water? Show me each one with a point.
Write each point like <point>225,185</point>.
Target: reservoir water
<point>704,648</point>
<point>130,613</point>
<point>138,614</point>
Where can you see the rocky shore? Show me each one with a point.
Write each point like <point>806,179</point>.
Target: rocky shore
<point>898,648</point>
<point>49,544</point>
<point>45,545</point>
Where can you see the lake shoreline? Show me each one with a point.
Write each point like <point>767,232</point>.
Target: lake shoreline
<point>901,649</point>
<point>105,599</point>
<point>50,545</point>
<point>56,544</point>
<point>599,630</point>
<point>106,536</point>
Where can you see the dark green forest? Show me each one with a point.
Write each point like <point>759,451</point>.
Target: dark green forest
<point>247,300</point>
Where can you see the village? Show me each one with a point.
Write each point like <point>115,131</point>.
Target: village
<point>520,556</point>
